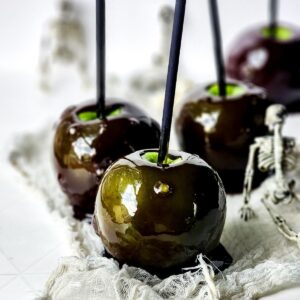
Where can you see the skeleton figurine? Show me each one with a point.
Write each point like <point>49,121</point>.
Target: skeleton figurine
<point>274,153</point>
<point>166,16</point>
<point>155,78</point>
<point>149,84</point>
<point>63,42</point>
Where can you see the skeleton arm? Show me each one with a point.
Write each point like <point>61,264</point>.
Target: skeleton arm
<point>44,62</point>
<point>278,157</point>
<point>246,211</point>
<point>282,191</point>
<point>278,153</point>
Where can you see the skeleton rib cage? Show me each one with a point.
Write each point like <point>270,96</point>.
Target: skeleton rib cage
<point>266,161</point>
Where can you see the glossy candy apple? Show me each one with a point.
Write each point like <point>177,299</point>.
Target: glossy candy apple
<point>272,62</point>
<point>159,217</point>
<point>84,147</point>
<point>221,129</point>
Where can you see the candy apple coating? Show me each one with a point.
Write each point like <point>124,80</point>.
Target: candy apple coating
<point>270,62</point>
<point>159,217</point>
<point>84,147</point>
<point>221,129</point>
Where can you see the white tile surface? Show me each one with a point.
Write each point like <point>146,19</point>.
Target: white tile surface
<point>27,221</point>
<point>5,279</point>
<point>17,289</point>
<point>36,281</point>
<point>6,267</point>
<point>42,266</point>
<point>31,242</point>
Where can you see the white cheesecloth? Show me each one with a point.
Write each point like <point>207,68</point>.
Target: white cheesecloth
<point>264,261</point>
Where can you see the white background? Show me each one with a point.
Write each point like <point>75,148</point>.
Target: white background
<point>30,241</point>
<point>132,27</point>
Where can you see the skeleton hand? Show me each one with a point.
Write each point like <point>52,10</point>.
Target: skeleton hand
<point>284,193</point>
<point>297,197</point>
<point>246,213</point>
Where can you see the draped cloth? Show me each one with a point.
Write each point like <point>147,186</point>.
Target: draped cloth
<point>264,261</point>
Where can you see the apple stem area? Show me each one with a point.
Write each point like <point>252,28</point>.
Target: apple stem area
<point>91,115</point>
<point>279,33</point>
<point>152,157</point>
<point>232,90</point>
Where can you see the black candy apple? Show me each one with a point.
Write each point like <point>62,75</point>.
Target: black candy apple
<point>84,147</point>
<point>269,59</point>
<point>221,129</point>
<point>159,217</point>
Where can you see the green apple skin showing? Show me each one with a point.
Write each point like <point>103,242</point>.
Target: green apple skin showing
<point>83,150</point>
<point>160,217</point>
<point>221,129</point>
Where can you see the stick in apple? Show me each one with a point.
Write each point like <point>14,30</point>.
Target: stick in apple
<point>100,56</point>
<point>171,80</point>
<point>273,17</point>
<point>217,39</point>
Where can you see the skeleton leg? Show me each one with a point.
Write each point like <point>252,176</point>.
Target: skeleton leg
<point>246,211</point>
<point>44,62</point>
<point>83,69</point>
<point>82,59</point>
<point>294,196</point>
<point>282,225</point>
<point>45,74</point>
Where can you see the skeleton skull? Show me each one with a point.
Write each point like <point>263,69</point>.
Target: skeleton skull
<point>63,42</point>
<point>275,114</point>
<point>166,14</point>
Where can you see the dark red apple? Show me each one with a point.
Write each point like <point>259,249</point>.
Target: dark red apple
<point>160,217</point>
<point>271,62</point>
<point>221,129</point>
<point>85,146</point>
